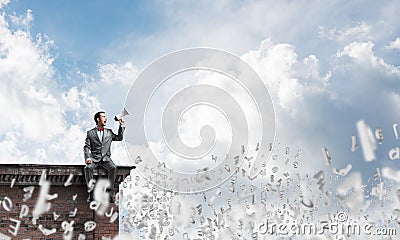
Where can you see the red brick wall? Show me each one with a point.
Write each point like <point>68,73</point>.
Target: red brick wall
<point>63,205</point>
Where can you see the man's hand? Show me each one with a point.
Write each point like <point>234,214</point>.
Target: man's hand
<point>121,121</point>
<point>89,161</point>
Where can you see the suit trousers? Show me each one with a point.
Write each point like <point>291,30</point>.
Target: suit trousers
<point>109,166</point>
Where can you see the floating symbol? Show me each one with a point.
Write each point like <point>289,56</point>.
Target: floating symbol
<point>13,182</point>
<point>321,179</point>
<point>90,226</point>
<point>68,182</point>
<point>46,231</point>
<point>327,156</point>
<point>367,140</point>
<point>395,131</point>
<point>344,171</point>
<point>354,145</point>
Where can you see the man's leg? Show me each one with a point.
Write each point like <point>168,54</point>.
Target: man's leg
<point>112,171</point>
<point>89,176</point>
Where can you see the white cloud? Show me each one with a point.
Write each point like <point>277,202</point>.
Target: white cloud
<point>9,150</point>
<point>71,99</point>
<point>361,31</point>
<point>26,86</point>
<point>362,53</point>
<point>3,3</point>
<point>67,148</point>
<point>37,115</point>
<point>288,78</point>
<point>235,27</point>
<point>23,21</point>
<point>395,44</point>
<point>292,83</point>
<point>307,100</point>
<point>41,154</point>
<point>124,74</point>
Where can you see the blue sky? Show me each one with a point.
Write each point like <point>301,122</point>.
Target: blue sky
<point>84,32</point>
<point>87,30</point>
<point>327,65</point>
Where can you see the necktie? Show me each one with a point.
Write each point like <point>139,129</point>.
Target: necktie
<point>100,129</point>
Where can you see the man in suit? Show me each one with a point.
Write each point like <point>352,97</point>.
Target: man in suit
<point>97,151</point>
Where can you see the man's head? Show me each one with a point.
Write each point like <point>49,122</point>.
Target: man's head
<point>100,119</point>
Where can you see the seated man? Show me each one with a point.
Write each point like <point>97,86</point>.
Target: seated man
<point>97,151</point>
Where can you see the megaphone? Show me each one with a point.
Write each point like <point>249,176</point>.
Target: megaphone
<point>121,115</point>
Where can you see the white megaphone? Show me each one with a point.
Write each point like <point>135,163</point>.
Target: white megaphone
<point>121,115</point>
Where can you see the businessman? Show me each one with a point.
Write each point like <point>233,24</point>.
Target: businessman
<point>97,152</point>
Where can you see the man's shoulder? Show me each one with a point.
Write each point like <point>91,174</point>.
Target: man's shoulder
<point>90,130</point>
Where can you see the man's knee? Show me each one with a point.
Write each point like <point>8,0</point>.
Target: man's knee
<point>89,167</point>
<point>113,169</point>
<point>111,166</point>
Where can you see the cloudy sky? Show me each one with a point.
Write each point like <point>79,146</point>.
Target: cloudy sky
<point>327,65</point>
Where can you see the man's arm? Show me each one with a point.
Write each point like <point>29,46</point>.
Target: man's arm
<point>120,135</point>
<point>87,154</point>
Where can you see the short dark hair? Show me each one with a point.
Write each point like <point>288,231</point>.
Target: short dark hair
<point>97,115</point>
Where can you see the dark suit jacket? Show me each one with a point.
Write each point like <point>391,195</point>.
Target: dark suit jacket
<point>97,150</point>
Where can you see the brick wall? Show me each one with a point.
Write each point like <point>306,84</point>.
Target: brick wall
<point>68,210</point>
